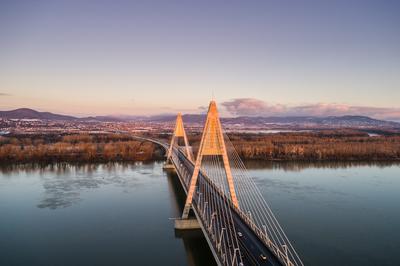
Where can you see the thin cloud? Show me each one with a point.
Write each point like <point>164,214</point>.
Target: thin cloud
<point>252,107</point>
<point>4,94</point>
<point>256,107</point>
<point>202,109</point>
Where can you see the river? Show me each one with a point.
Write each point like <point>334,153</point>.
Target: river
<point>122,214</point>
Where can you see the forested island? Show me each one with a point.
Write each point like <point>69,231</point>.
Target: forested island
<point>294,146</point>
<point>82,148</point>
<point>318,146</point>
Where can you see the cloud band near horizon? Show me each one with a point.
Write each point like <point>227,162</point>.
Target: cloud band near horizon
<point>257,107</point>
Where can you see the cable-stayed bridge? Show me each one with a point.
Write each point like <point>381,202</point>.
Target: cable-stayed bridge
<point>237,222</point>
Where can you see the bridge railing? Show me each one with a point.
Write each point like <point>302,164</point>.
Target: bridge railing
<point>212,208</point>
<point>256,212</point>
<point>262,235</point>
<point>263,224</point>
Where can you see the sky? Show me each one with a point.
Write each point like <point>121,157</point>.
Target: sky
<point>150,57</point>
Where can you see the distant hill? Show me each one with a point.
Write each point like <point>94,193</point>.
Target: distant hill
<point>26,113</point>
<point>300,121</point>
<point>330,121</point>
<point>297,121</point>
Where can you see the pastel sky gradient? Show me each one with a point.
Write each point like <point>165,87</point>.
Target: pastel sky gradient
<point>148,57</point>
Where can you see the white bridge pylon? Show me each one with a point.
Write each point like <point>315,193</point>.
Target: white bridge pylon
<point>212,143</point>
<point>179,132</point>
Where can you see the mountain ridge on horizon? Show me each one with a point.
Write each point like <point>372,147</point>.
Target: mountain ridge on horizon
<point>28,113</point>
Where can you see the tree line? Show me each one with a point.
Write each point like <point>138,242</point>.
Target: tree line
<point>334,146</point>
<point>75,148</point>
<point>301,146</point>
<point>328,145</point>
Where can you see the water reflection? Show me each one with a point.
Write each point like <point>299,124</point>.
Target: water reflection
<point>335,213</point>
<point>63,183</point>
<point>69,167</point>
<point>118,214</point>
<point>62,191</point>
<point>301,165</point>
<point>64,186</point>
<point>62,168</point>
<point>196,247</point>
<point>125,203</point>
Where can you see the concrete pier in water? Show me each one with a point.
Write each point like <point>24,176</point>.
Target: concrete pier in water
<point>169,166</point>
<point>187,224</point>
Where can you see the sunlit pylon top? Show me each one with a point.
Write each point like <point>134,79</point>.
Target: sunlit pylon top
<point>179,131</point>
<point>212,143</point>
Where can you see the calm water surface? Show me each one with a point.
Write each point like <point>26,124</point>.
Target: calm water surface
<point>120,214</point>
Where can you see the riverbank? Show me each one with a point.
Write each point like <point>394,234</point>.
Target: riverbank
<point>346,145</point>
<point>334,146</point>
<point>79,148</point>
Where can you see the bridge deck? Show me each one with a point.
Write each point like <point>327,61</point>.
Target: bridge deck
<point>250,245</point>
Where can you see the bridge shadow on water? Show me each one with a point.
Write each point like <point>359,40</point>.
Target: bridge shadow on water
<point>196,247</point>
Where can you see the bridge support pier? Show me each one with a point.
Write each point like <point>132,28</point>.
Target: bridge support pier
<point>168,166</point>
<point>187,224</point>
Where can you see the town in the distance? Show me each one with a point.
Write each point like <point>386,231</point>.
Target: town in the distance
<point>256,137</point>
<point>25,121</point>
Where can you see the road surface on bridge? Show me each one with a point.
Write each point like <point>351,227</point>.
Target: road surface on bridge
<point>237,222</point>
<point>250,244</point>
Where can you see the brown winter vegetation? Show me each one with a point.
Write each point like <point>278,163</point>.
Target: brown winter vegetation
<point>318,146</point>
<point>75,148</point>
<point>306,146</point>
<point>328,145</point>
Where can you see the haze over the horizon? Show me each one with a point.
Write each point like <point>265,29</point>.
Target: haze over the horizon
<point>150,57</point>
